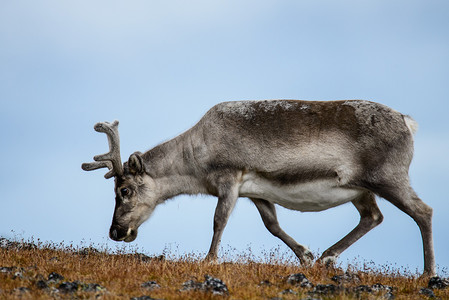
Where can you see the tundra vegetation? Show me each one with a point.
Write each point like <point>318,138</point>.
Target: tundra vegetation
<point>37,270</point>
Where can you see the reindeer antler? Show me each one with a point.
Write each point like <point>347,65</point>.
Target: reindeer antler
<point>110,160</point>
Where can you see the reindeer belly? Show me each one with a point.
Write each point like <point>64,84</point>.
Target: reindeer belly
<point>314,195</point>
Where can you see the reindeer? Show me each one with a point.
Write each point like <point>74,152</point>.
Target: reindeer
<point>302,155</point>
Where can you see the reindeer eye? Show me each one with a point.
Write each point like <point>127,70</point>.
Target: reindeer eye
<point>124,192</point>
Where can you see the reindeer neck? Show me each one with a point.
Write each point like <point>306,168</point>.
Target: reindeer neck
<point>169,166</point>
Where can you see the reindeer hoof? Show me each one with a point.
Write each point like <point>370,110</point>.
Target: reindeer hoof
<point>211,259</point>
<point>307,258</point>
<point>328,261</point>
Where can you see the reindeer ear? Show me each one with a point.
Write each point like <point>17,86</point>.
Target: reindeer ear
<point>135,163</point>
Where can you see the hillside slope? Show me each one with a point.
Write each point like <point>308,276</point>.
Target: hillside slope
<point>31,270</point>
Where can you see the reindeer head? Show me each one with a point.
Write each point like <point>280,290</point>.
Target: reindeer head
<point>134,189</point>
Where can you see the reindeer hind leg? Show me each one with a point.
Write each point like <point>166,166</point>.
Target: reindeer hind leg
<point>267,211</point>
<point>404,197</point>
<point>370,217</point>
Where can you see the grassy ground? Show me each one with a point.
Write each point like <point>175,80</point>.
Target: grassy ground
<point>89,273</point>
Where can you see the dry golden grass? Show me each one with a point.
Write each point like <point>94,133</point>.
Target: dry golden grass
<point>122,274</point>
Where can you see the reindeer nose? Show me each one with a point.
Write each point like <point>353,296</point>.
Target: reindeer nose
<point>118,233</point>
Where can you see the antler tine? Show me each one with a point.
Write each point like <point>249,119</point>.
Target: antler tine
<point>112,159</point>
<point>96,165</point>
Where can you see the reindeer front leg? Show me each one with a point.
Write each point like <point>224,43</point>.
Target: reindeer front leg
<point>227,197</point>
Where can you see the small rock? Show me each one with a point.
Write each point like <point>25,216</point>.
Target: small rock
<point>288,292</point>
<point>297,278</point>
<point>68,287</point>
<point>377,287</point>
<point>143,298</point>
<point>363,289</point>
<point>192,285</point>
<point>307,285</point>
<point>325,289</point>
<point>427,292</point>
<point>211,284</point>
<point>300,279</point>
<point>151,285</point>
<point>92,287</point>
<point>41,284</point>
<point>54,277</point>
<point>346,277</point>
<point>438,283</point>
<point>17,273</point>
<point>216,285</point>
<point>7,269</point>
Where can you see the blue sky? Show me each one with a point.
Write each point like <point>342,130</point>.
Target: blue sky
<point>158,66</point>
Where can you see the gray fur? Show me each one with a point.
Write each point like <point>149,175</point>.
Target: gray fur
<point>287,152</point>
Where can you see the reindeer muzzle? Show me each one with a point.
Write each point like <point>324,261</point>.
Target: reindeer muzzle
<point>119,233</point>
